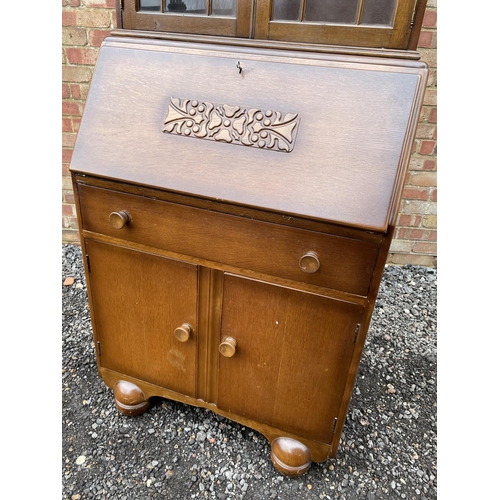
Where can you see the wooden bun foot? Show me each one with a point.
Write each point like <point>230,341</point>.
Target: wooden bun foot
<point>290,457</point>
<point>129,399</point>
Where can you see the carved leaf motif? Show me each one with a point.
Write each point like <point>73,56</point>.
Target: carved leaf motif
<point>230,111</point>
<point>223,135</point>
<point>239,125</point>
<point>264,129</point>
<point>214,122</point>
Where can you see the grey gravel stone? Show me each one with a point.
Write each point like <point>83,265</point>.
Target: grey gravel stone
<point>388,447</point>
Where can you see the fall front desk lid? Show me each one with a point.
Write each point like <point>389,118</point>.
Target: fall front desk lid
<point>322,136</point>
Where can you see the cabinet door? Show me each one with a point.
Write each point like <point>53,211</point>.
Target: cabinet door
<point>138,301</point>
<point>206,17</point>
<point>362,23</point>
<point>292,357</point>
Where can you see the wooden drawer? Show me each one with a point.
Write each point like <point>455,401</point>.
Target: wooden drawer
<point>344,264</point>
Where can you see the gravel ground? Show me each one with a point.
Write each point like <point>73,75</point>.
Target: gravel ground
<point>173,451</point>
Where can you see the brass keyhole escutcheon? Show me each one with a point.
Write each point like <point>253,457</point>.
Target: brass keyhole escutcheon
<point>183,332</point>
<point>119,219</point>
<point>228,347</point>
<point>309,263</point>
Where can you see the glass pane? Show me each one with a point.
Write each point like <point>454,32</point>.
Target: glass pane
<point>224,8</point>
<point>331,11</point>
<point>286,10</point>
<point>378,12</point>
<point>151,5</point>
<point>187,6</point>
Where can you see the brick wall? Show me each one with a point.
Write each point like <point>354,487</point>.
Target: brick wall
<point>86,22</point>
<point>415,241</point>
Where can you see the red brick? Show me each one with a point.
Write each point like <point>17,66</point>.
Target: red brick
<point>70,108</point>
<point>97,36</point>
<point>76,123</point>
<point>412,193</point>
<point>418,234</point>
<point>65,91</point>
<point>68,18</point>
<point>67,126</point>
<point>404,220</point>
<point>427,148</point>
<point>432,115</point>
<point>430,97</point>
<point>65,170</point>
<point>406,233</point>
<point>67,209</point>
<point>434,195</point>
<point>412,234</point>
<point>75,92</point>
<point>430,19</point>
<point>66,155</point>
<point>69,198</point>
<point>426,40</point>
<point>429,165</point>
<point>71,3</point>
<point>81,56</point>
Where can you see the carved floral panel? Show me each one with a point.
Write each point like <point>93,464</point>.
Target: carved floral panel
<point>258,128</point>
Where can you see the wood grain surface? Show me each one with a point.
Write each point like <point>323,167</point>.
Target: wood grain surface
<point>352,135</point>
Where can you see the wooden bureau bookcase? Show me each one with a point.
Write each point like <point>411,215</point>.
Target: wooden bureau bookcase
<point>236,208</point>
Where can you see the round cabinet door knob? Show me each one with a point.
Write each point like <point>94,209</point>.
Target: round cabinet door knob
<point>119,219</point>
<point>309,263</point>
<point>183,332</point>
<point>228,347</point>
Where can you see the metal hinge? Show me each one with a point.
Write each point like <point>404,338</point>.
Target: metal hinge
<point>334,425</point>
<point>412,23</point>
<point>88,262</point>
<point>121,4</point>
<point>99,347</point>
<point>355,339</point>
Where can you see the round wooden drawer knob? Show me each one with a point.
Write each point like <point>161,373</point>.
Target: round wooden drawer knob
<point>119,219</point>
<point>309,263</point>
<point>228,347</point>
<point>183,332</point>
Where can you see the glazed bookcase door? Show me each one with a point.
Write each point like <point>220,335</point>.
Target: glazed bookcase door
<point>362,23</point>
<point>138,301</point>
<point>203,17</point>
<point>292,356</point>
